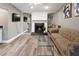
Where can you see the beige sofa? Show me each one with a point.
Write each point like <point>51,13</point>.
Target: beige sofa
<point>53,28</point>
<point>66,41</point>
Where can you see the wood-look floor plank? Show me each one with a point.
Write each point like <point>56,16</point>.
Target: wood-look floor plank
<point>26,45</point>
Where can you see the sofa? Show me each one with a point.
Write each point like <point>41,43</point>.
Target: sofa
<point>65,40</point>
<point>53,28</point>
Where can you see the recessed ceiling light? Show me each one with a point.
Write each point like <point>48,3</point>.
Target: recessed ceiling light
<point>31,7</point>
<point>46,7</point>
<point>36,3</point>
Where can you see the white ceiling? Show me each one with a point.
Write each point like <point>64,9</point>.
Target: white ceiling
<point>26,7</point>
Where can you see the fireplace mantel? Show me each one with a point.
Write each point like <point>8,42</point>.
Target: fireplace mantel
<point>39,20</point>
<point>39,17</point>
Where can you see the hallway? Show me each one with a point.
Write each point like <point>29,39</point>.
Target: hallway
<point>27,45</point>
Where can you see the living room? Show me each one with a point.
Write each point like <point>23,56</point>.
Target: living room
<point>43,29</point>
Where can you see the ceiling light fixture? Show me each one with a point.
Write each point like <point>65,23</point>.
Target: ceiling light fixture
<point>31,7</point>
<point>36,3</point>
<point>46,7</point>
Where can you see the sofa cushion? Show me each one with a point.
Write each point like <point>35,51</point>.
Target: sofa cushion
<point>53,30</point>
<point>56,36</point>
<point>63,44</point>
<point>60,38</point>
<point>77,39</point>
<point>65,33</point>
<point>75,36</point>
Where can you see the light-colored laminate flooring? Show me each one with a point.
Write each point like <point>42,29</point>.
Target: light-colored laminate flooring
<point>27,45</point>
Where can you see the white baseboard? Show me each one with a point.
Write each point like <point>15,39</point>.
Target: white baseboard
<point>12,39</point>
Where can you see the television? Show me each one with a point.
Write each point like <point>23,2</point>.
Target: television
<point>25,19</point>
<point>15,17</point>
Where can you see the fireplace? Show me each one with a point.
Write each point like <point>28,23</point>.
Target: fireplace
<point>39,27</point>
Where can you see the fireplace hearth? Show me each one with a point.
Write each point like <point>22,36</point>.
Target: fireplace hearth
<point>39,28</point>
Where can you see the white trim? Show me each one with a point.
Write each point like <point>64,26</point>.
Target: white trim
<point>12,39</point>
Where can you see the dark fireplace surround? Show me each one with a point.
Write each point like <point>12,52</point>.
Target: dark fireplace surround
<point>39,28</point>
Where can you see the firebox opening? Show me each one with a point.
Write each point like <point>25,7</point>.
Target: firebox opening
<point>39,27</point>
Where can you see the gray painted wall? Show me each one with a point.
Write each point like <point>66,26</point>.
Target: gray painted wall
<point>73,23</point>
<point>4,21</point>
<point>11,29</point>
<point>50,19</point>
